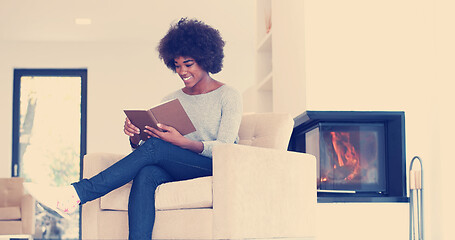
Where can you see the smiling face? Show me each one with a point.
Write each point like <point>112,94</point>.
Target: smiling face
<point>194,77</point>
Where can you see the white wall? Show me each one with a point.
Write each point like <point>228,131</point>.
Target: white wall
<point>125,74</point>
<point>440,195</point>
<point>386,55</point>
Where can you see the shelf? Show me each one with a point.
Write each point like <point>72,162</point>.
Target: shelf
<point>267,83</point>
<point>266,43</point>
<point>259,98</point>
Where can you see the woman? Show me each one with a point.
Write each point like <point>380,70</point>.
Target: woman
<point>193,50</point>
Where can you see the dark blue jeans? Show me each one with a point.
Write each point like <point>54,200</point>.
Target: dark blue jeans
<point>153,163</point>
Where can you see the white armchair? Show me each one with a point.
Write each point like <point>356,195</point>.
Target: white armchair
<point>17,209</point>
<point>258,190</point>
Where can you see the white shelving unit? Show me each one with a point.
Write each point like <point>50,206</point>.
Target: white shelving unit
<point>280,75</point>
<point>259,98</point>
<point>266,84</point>
<point>265,66</point>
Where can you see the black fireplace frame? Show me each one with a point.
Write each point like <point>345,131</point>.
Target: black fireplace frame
<point>395,151</point>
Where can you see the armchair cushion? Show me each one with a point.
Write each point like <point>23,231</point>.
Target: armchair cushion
<point>10,213</point>
<point>11,192</point>
<point>268,130</point>
<point>193,193</point>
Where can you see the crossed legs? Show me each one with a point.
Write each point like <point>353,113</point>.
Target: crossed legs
<point>152,164</point>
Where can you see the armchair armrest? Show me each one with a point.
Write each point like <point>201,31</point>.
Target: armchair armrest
<point>28,214</point>
<point>263,193</point>
<point>94,163</point>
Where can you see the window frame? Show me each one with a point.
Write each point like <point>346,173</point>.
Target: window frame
<point>18,74</point>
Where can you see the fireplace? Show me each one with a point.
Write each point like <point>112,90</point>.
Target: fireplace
<point>360,155</point>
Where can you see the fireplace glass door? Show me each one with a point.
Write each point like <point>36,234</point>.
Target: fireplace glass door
<point>351,156</point>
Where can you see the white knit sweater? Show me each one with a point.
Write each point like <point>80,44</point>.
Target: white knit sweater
<point>216,115</point>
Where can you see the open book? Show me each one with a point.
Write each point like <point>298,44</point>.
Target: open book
<point>169,113</point>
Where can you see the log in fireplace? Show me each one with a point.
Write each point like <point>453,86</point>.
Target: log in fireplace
<point>360,155</point>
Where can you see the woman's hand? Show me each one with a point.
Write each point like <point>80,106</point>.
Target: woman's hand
<point>171,135</point>
<point>132,131</point>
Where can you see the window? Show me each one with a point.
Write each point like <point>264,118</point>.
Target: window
<point>49,136</point>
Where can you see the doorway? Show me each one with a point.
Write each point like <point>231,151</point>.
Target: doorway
<point>49,137</point>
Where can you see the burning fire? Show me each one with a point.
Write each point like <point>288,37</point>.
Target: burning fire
<point>346,154</point>
<point>349,158</point>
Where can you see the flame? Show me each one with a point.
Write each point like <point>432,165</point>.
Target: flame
<point>346,154</point>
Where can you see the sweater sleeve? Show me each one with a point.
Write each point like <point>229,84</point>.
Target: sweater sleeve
<point>231,116</point>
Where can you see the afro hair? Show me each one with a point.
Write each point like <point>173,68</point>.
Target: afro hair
<point>195,39</point>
